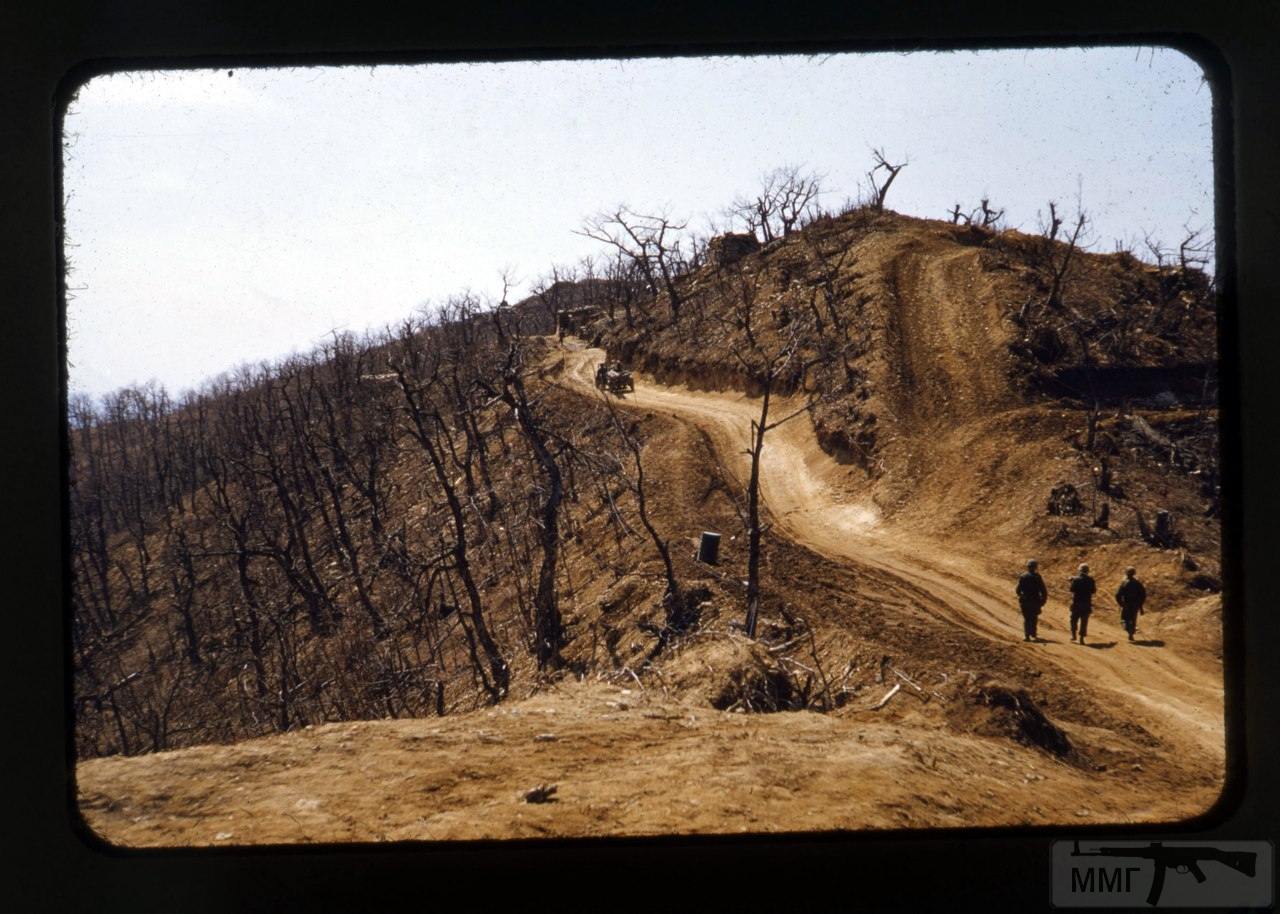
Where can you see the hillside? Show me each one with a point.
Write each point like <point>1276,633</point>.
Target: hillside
<point>947,400</point>
<point>935,417</point>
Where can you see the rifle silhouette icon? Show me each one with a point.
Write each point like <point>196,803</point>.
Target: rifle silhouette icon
<point>1182,859</point>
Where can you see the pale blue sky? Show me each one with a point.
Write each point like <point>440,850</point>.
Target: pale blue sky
<point>220,219</point>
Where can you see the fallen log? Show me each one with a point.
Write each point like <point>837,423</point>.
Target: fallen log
<point>923,695</point>
<point>884,701</point>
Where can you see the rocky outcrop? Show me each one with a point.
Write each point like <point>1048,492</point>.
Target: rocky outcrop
<point>730,248</point>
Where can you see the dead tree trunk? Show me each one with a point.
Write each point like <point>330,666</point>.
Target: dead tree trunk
<point>674,599</point>
<point>882,190</point>
<point>548,628</point>
<point>758,429</point>
<point>1054,298</point>
<point>497,681</point>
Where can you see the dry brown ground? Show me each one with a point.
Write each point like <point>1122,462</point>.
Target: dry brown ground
<point>625,762</point>
<point>655,757</point>
<point>1175,692</point>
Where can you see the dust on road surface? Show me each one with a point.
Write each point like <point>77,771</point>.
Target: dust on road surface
<point>811,502</point>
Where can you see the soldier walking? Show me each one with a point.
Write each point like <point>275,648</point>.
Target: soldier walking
<point>1031,597</point>
<point>1131,596</point>
<point>1082,590</point>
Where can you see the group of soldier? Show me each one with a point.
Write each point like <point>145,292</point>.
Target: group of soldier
<point>1032,596</point>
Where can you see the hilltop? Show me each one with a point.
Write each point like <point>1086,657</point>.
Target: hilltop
<point>947,377</point>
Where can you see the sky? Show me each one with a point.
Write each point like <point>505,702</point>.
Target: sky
<point>220,217</point>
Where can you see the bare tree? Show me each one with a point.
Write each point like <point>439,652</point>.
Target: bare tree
<point>428,428</point>
<point>554,293</point>
<point>291,542</point>
<point>548,627</point>
<point>1053,258</point>
<point>183,583</point>
<point>323,421</point>
<point>766,359</point>
<point>880,190</point>
<point>1159,253</point>
<point>990,215</point>
<point>673,599</point>
<point>984,216</point>
<point>785,199</point>
<point>624,286</point>
<point>1194,251</point>
<point>1062,265</point>
<point>828,260</point>
<point>651,242</point>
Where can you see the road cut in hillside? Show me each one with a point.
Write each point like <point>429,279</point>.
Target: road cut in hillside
<point>634,757</point>
<point>1177,697</point>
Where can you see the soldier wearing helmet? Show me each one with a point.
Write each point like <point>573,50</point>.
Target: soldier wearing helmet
<point>1031,597</point>
<point>1131,596</point>
<point>1082,590</point>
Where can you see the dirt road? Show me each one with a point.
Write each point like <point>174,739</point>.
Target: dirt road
<point>631,759</point>
<point>1177,697</point>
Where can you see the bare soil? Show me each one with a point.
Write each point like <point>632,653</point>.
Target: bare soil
<point>924,578</point>
<point>624,761</point>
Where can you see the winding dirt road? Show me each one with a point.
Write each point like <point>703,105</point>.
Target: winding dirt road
<point>635,761</point>
<point>1177,699</point>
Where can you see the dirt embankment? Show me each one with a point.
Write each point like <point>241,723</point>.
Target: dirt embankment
<point>810,500</point>
<point>625,761</point>
<point>1109,732</point>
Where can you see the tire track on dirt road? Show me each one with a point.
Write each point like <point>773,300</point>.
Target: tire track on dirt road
<point>1176,699</point>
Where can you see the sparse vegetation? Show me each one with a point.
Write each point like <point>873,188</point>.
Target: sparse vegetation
<point>786,200</point>
<point>880,186</point>
<point>449,517</point>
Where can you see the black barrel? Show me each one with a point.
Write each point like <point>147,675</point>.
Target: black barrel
<point>709,548</point>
